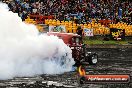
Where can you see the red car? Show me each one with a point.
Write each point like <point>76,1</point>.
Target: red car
<point>79,53</point>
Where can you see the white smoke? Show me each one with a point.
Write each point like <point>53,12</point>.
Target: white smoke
<point>25,52</point>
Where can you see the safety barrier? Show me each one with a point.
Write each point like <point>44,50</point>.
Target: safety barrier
<point>121,25</point>
<point>71,26</point>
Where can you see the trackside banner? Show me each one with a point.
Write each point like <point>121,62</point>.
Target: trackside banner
<point>57,28</point>
<point>117,34</point>
<point>88,32</point>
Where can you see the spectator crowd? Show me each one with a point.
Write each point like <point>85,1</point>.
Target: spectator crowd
<point>82,11</point>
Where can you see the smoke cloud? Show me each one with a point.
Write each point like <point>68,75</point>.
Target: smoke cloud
<point>26,52</point>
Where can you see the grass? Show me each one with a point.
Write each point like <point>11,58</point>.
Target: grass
<point>101,41</point>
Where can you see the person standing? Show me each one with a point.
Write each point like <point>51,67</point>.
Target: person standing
<point>80,31</point>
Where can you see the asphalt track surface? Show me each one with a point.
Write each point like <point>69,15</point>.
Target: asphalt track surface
<point>111,61</point>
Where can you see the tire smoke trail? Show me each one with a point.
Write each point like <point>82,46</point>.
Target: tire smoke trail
<point>25,52</point>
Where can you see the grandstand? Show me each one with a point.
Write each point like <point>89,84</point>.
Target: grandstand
<point>100,15</point>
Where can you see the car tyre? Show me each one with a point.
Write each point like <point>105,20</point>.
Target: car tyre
<point>93,59</point>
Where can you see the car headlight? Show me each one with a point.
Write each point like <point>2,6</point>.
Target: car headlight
<point>77,41</point>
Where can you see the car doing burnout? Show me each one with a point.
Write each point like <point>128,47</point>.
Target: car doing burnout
<point>79,53</point>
